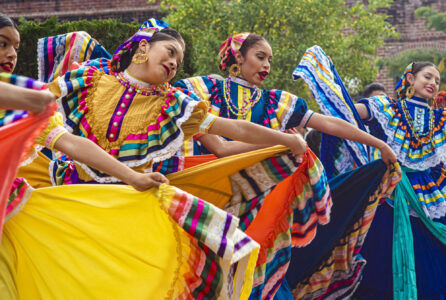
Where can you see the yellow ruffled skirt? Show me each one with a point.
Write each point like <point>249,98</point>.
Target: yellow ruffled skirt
<point>112,242</point>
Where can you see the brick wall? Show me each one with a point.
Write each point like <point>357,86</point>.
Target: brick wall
<point>70,10</point>
<point>413,33</point>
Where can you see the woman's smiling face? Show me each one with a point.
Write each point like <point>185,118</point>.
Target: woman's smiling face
<point>9,45</point>
<point>426,82</point>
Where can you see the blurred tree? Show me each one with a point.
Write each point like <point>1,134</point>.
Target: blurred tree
<point>350,33</point>
<point>110,33</point>
<point>396,65</point>
<point>434,19</point>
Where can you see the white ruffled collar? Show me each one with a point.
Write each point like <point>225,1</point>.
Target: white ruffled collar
<point>242,81</point>
<point>135,80</point>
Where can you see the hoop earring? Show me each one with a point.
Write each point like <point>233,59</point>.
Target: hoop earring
<point>140,58</point>
<point>234,70</point>
<point>410,92</point>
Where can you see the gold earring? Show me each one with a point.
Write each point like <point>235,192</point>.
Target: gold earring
<point>140,58</point>
<point>234,70</point>
<point>410,92</point>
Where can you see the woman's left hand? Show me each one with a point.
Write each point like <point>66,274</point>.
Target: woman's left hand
<point>145,181</point>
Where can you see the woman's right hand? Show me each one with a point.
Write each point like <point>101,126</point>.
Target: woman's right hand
<point>296,144</point>
<point>387,154</point>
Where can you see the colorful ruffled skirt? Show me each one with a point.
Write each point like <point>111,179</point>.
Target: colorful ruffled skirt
<point>263,188</point>
<point>429,253</point>
<point>331,266</point>
<point>322,261</point>
<point>112,242</point>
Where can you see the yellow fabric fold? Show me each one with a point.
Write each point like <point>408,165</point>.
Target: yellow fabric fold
<point>210,181</point>
<point>37,172</point>
<point>83,242</point>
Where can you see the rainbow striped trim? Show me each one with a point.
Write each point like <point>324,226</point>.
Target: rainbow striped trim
<point>20,192</point>
<point>56,54</point>
<point>162,139</point>
<point>339,275</point>
<point>220,260</point>
<point>319,74</point>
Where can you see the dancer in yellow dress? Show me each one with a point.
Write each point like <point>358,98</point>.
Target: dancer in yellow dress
<point>96,241</point>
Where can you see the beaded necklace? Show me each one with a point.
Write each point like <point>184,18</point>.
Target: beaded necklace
<point>140,87</point>
<point>410,121</point>
<point>134,85</point>
<point>247,103</point>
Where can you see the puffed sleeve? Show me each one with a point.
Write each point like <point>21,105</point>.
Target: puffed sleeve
<point>199,120</point>
<point>202,86</point>
<point>72,90</point>
<point>289,110</point>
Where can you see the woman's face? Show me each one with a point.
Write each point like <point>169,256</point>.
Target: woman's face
<point>426,82</point>
<point>255,65</point>
<point>165,57</point>
<point>9,45</point>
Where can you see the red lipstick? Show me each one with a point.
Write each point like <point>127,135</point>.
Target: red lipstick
<point>7,67</point>
<point>263,75</point>
<point>167,70</point>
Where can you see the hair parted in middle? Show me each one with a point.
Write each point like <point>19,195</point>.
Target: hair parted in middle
<point>241,42</point>
<point>152,31</point>
<point>413,68</point>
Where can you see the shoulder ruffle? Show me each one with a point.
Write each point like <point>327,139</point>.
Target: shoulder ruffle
<point>57,54</point>
<point>414,154</point>
<point>180,117</point>
<point>286,110</point>
<point>72,90</point>
<point>203,86</point>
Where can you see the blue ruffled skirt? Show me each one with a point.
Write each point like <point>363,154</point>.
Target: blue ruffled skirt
<point>430,259</point>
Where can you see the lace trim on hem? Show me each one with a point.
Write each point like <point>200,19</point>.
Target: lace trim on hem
<point>429,162</point>
<point>338,104</point>
<point>155,156</point>
<point>40,59</point>
<point>345,164</point>
<point>32,156</point>
<point>432,212</point>
<point>19,207</point>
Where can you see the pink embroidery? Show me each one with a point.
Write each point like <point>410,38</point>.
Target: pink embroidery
<point>50,137</point>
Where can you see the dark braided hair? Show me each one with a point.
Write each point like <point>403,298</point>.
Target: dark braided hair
<point>123,58</point>
<point>417,67</point>
<point>250,41</point>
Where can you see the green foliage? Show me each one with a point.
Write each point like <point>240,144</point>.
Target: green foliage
<point>351,35</point>
<point>396,65</point>
<point>110,33</point>
<point>434,19</point>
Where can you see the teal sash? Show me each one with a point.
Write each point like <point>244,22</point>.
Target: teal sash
<point>403,260</point>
